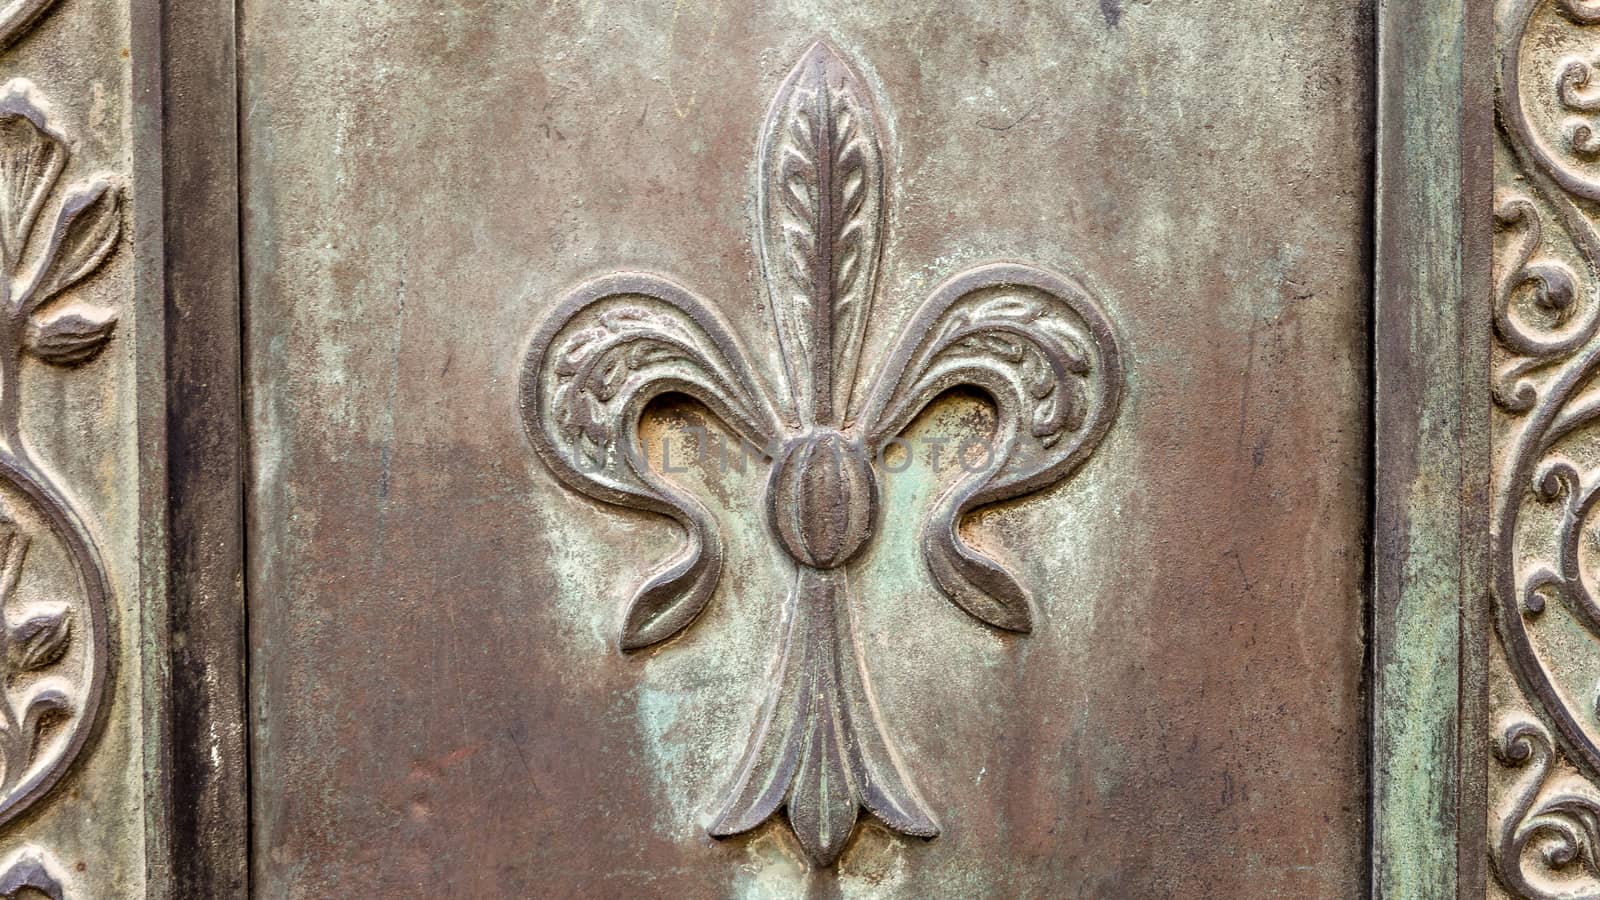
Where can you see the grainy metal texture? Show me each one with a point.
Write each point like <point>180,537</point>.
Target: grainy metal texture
<point>1477,609</point>
<point>1428,623</point>
<point>435,707</point>
<point>147,87</point>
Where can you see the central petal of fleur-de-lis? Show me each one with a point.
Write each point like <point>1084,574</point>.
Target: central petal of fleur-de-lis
<point>1035,342</point>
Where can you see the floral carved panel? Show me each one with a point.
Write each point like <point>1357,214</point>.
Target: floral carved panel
<point>62,220</point>
<point>1034,342</point>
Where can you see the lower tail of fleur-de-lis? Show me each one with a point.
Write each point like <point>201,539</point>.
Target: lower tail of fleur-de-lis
<point>819,749</point>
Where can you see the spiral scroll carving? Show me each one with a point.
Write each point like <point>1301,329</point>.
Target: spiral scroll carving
<point>1546,319</point>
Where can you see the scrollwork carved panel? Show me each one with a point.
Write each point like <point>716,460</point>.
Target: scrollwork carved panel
<point>1545,818</point>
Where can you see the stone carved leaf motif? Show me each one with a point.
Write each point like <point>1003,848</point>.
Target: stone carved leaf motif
<point>32,640</point>
<point>613,346</point>
<point>40,639</point>
<point>32,155</point>
<point>821,211</point>
<point>1534,149</point>
<point>33,643</point>
<point>54,651</point>
<point>1551,286</point>
<point>70,337</point>
<point>1043,351</point>
<point>1564,826</point>
<point>85,232</point>
<point>1546,317</point>
<point>819,748</point>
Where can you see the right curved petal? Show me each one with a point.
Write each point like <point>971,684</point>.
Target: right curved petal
<point>614,345</point>
<point>1039,345</point>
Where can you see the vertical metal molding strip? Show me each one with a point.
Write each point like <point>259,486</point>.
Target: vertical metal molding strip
<point>150,259</point>
<point>209,728</point>
<point>1429,575</point>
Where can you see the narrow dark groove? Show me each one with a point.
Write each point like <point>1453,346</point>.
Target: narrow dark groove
<point>822,283</point>
<point>246,461</point>
<point>208,701</point>
<point>1369,562</point>
<point>1476,249</point>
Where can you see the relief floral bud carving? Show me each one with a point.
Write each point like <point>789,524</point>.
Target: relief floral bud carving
<point>1035,342</point>
<point>54,637</point>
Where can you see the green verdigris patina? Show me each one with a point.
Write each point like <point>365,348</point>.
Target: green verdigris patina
<point>434,615</point>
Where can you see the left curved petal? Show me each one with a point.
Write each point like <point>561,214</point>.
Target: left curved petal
<point>85,233</point>
<point>1044,352</point>
<point>32,155</point>
<point>614,345</point>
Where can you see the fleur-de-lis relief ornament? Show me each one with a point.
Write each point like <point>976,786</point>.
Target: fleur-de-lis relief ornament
<point>1035,342</point>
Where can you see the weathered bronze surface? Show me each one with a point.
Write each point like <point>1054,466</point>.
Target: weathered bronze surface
<point>1033,342</point>
<point>1429,625</point>
<point>203,620</point>
<point>563,579</point>
<point>439,704</point>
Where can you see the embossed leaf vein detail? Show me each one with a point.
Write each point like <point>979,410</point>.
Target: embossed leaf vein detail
<point>1034,341</point>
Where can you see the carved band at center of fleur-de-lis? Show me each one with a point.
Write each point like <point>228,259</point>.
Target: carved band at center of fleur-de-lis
<point>1035,342</point>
